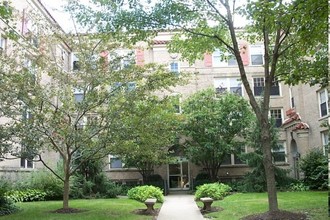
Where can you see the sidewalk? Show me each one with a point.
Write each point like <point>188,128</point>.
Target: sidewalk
<point>178,207</point>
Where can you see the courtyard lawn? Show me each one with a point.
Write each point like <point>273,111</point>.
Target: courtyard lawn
<point>238,205</point>
<point>95,209</point>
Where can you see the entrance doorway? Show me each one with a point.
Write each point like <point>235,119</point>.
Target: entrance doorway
<point>178,175</point>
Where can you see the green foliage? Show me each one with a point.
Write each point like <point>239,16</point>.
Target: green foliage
<point>27,195</point>
<point>255,180</point>
<point>215,126</point>
<point>201,178</point>
<point>46,182</point>
<point>141,193</point>
<point>315,168</point>
<point>216,191</point>
<point>7,205</point>
<point>152,127</point>
<point>299,186</point>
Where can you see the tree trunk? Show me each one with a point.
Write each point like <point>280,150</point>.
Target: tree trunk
<point>269,167</point>
<point>66,188</point>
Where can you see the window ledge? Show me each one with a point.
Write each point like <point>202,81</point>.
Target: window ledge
<point>122,170</point>
<point>324,117</point>
<point>282,164</point>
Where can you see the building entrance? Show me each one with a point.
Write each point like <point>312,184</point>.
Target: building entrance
<point>178,175</point>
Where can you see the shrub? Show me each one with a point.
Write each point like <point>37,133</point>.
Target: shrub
<point>141,193</point>
<point>216,191</point>
<point>299,186</point>
<point>112,190</point>
<point>47,182</point>
<point>27,195</point>
<point>7,206</point>
<point>201,179</point>
<point>315,167</point>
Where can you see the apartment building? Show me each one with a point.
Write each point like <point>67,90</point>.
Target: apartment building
<point>32,24</point>
<point>299,110</point>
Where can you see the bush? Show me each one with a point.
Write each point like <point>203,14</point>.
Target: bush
<point>216,191</point>
<point>27,195</point>
<point>141,193</point>
<point>201,179</point>
<point>7,206</point>
<point>315,167</point>
<point>299,186</point>
<point>112,189</point>
<point>47,182</point>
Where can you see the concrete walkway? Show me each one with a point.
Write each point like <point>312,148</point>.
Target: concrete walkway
<point>178,207</point>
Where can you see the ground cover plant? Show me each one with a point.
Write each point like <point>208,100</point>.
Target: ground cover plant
<point>216,191</point>
<point>141,193</point>
<point>239,205</point>
<point>91,209</point>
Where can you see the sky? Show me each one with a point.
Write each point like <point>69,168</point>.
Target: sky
<point>55,7</point>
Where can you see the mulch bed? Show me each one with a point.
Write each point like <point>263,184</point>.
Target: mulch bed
<point>277,215</point>
<point>68,211</point>
<point>144,212</point>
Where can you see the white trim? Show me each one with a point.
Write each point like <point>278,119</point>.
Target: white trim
<point>326,102</point>
<point>254,50</point>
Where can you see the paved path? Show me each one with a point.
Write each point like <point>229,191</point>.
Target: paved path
<point>179,207</point>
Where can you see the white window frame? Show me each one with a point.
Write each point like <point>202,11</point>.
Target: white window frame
<point>325,142</point>
<point>262,82</point>
<point>26,164</point>
<point>325,101</point>
<point>179,97</point>
<point>275,118</point>
<point>218,62</point>
<point>227,83</point>
<point>115,168</point>
<point>257,49</point>
<point>3,43</point>
<point>78,92</point>
<point>284,150</point>
<point>176,71</point>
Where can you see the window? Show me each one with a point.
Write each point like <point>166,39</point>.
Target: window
<point>3,44</point>
<point>223,59</point>
<point>131,86</point>
<point>232,61</point>
<point>276,114</point>
<point>115,162</point>
<point>257,54</point>
<point>259,84</point>
<point>325,142</point>
<point>232,85</point>
<point>176,101</point>
<point>234,158</point>
<point>323,102</point>
<point>226,160</point>
<point>237,159</point>
<point>279,154</point>
<point>78,95</point>
<point>25,163</point>
<point>174,67</point>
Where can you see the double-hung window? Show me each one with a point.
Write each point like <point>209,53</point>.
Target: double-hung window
<point>323,103</point>
<point>78,95</point>
<point>233,85</point>
<point>276,115</point>
<point>279,153</point>
<point>115,162</point>
<point>259,85</point>
<point>174,67</point>
<point>257,55</point>
<point>325,142</point>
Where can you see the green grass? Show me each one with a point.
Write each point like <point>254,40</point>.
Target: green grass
<point>96,209</point>
<point>239,205</point>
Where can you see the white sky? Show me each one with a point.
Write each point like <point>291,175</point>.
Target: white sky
<point>55,7</point>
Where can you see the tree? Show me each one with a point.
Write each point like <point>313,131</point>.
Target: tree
<point>215,127</point>
<point>255,180</point>
<point>315,168</point>
<point>286,29</point>
<point>153,127</point>
<point>76,113</point>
